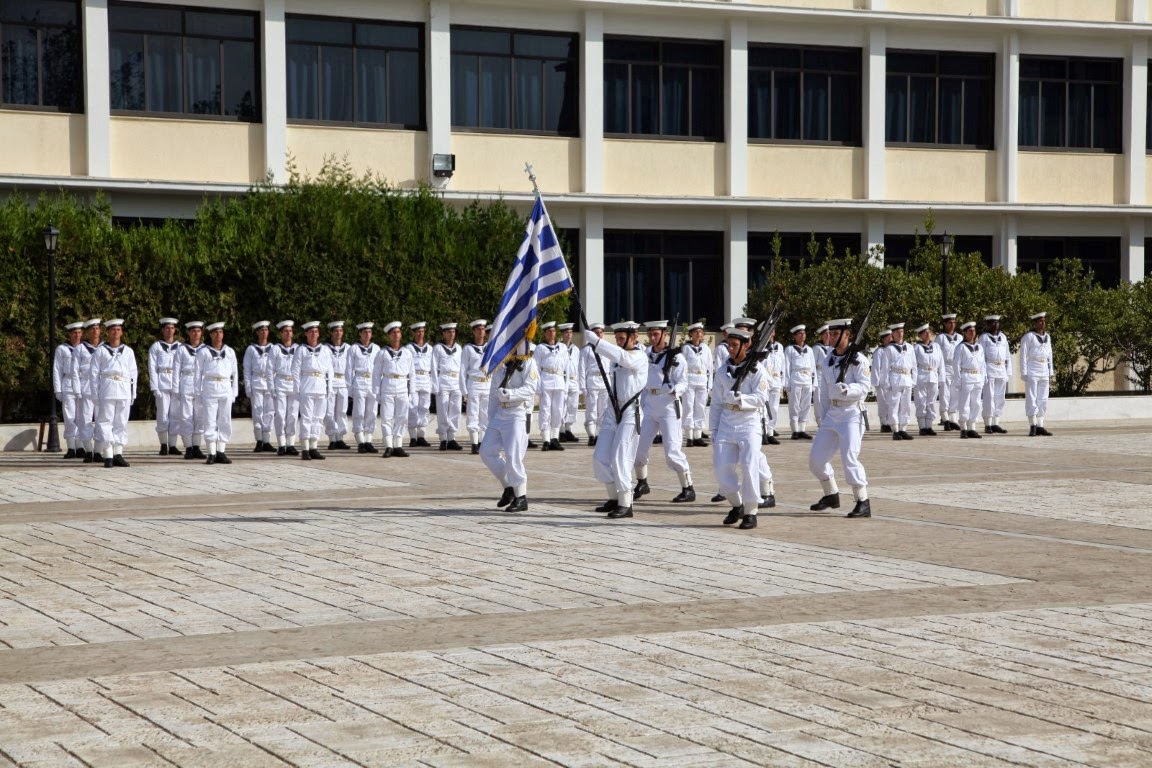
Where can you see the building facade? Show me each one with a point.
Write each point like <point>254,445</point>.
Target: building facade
<point>672,139</point>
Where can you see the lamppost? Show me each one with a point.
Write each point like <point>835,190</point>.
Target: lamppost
<point>945,252</point>
<point>51,235</point>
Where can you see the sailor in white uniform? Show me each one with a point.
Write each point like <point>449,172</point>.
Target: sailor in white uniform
<point>698,375</point>
<point>66,387</point>
<point>286,402</point>
<point>660,407</point>
<point>447,359</point>
<point>393,377</point>
<point>929,379</point>
<point>970,372</point>
<point>998,361</point>
<point>163,370</point>
<point>361,387</point>
<point>423,374</point>
<point>336,416</point>
<point>512,388</point>
<point>739,391</point>
<point>800,381</point>
<point>1037,370</point>
<point>188,401</point>
<point>218,382</point>
<point>476,384</point>
<point>86,399</point>
<point>113,376</point>
<point>258,384</point>
<point>592,385</point>
<point>313,373</point>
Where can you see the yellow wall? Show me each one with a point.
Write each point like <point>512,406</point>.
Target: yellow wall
<point>171,149</point>
<point>835,5</point>
<point>946,7</point>
<point>675,168</point>
<point>1058,177</point>
<point>1078,10</point>
<point>833,173</point>
<point>966,176</point>
<point>42,143</point>
<point>399,157</point>
<point>490,163</point>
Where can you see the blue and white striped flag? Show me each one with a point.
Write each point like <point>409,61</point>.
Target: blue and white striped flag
<point>539,274</point>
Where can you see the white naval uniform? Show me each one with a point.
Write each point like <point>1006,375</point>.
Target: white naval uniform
<point>287,406</point>
<point>393,377</point>
<point>819,355</point>
<point>879,382</point>
<point>929,381</point>
<point>998,362</point>
<point>800,380</point>
<point>477,385</point>
<point>361,388</point>
<point>970,372</point>
<point>595,393</point>
<point>572,399</point>
<point>949,388</point>
<point>446,387</point>
<point>258,383</point>
<point>843,425</point>
<point>660,407</point>
<point>698,377</point>
<point>113,376</point>
<point>552,361</point>
<point>218,384</point>
<point>336,415</point>
<point>615,452</point>
<point>506,441</point>
<point>313,373</point>
<point>420,399</point>
<point>86,395</point>
<point>191,422</point>
<point>741,467</point>
<point>774,368</point>
<point>899,376</point>
<point>1037,370</point>
<point>163,379</point>
<point>67,390</point>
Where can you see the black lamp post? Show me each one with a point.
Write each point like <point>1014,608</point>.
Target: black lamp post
<point>945,252</point>
<point>51,235</point>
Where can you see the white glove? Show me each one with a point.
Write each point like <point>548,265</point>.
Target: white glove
<point>842,387</point>
<point>590,337</point>
<point>732,398</point>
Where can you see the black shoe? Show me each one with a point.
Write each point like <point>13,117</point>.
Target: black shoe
<point>975,435</point>
<point>796,436</point>
<point>642,489</point>
<point>905,436</point>
<point>197,453</point>
<point>547,445</point>
<point>771,440</point>
<point>571,437</point>
<point>658,440</point>
<point>764,439</point>
<point>999,429</point>
<point>686,494</point>
<point>89,457</point>
<point>342,446</point>
<point>71,454</point>
<point>331,445</point>
<point>420,442</point>
<point>222,458</point>
<point>443,445</point>
<point>107,463</point>
<point>964,434</point>
<point>163,451</point>
<point>269,448</point>
<point>749,521</point>
<point>259,446</point>
<point>1043,432</point>
<point>188,453</point>
<point>951,425</point>
<point>1032,431</point>
<point>592,441</point>
<point>734,515</point>
<point>506,497</point>
<point>315,454</point>
<point>172,451</point>
<point>718,498</point>
<point>896,436</point>
<point>831,501</point>
<point>862,509</point>
<point>455,446</point>
<point>620,512</point>
<point>400,453</point>
<point>369,448</point>
<point>281,451</point>
<point>119,461</point>
<point>767,502</point>
<point>531,443</point>
<point>988,429</point>
<point>554,445</point>
<point>609,506</point>
<point>360,448</point>
<point>519,504</point>
<point>290,450</point>
<point>305,456</point>
<point>211,459</point>
<point>387,453</point>
<point>475,448</point>
<point>885,429</point>
<point>924,431</point>
<point>805,436</point>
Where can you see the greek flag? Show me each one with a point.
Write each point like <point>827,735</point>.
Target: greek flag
<point>539,274</point>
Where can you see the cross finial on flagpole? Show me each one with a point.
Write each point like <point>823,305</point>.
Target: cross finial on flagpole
<point>532,178</point>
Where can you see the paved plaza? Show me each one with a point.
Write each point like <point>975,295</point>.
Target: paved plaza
<point>997,611</point>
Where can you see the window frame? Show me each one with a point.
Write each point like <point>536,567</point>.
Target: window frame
<point>695,261</point>
<point>40,27</point>
<point>1067,81</point>
<point>857,139</point>
<point>938,76</point>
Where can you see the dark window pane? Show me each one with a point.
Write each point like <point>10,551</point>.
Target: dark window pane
<point>845,122</point>
<point>692,53</point>
<point>144,19</point>
<point>646,288</point>
<point>206,24</point>
<point>529,95</point>
<point>912,63</point>
<point>978,109</point>
<point>303,97</point>
<point>1029,114</point>
<point>542,46</point>
<point>774,57</point>
<point>404,89</point>
<point>481,41</point>
<point>1079,115</point>
<point>305,30</point>
<point>972,65</point>
<point>561,96</point>
<point>645,99</point>
<point>1052,115</point>
<point>56,12</point>
<point>495,92</point>
<point>372,86</point>
<point>760,104</point>
<point>707,295</point>
<point>951,111</point>
<point>62,69</point>
<point>616,98</point>
<point>164,79</point>
<point>815,107</point>
<point>677,289</point>
<point>18,64</point>
<point>336,83</point>
<point>896,109</point>
<point>388,35</point>
<point>674,102</point>
<point>786,124</point>
<point>465,91</point>
<point>240,87</point>
<point>922,110</point>
<point>631,49</point>
<point>707,110</point>
<point>1041,68</point>
<point>204,89</point>
<point>126,59</point>
<point>1107,110</point>
<point>617,289</point>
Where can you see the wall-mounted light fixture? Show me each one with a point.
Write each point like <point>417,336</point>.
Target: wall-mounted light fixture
<point>443,166</point>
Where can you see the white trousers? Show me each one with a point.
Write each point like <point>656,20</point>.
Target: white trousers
<point>899,405</point>
<point>447,414</point>
<point>695,401</point>
<point>551,411</point>
<point>312,410</point>
<point>667,423</point>
<point>883,413</point>
<point>191,418</point>
<point>363,413</point>
<point>394,413</point>
<point>571,408</point>
<point>112,425</point>
<point>738,467</point>
<point>69,408</point>
<point>994,390</point>
<point>263,414</point>
<point>949,394</point>
<point>799,407</point>
<point>419,404</point>
<point>336,417</point>
<point>840,431</point>
<point>164,413</point>
<point>772,410</point>
<point>968,404</point>
<point>287,408</point>
<point>478,414</point>
<point>595,403</point>
<point>85,419</point>
<point>615,453</point>
<point>926,393</point>
<point>217,418</point>
<point>503,451</point>
<point>1035,396</point>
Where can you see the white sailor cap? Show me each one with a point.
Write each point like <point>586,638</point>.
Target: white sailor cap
<point>285,324</point>
<point>418,326</point>
<point>74,326</point>
<point>566,326</point>
<point>967,325</point>
<point>748,321</point>
<point>478,323</point>
<point>896,326</point>
<point>119,321</point>
<point>310,325</point>
<point>215,327</point>
<point>821,329</point>
<point>797,328</point>
<point>626,326</point>
<point>1038,316</point>
<point>596,326</point>
<point>991,318</point>
<point>949,316</point>
<point>726,327</point>
<point>366,326</point>
<point>843,322</point>
<point>261,324</point>
<point>885,332</point>
<point>169,321</point>
<point>547,325</point>
<point>925,327</point>
<point>656,325</point>
<point>739,333</point>
<point>694,327</point>
<point>392,326</point>
<point>336,324</point>
<point>91,322</point>
<point>447,326</point>
<point>194,324</point>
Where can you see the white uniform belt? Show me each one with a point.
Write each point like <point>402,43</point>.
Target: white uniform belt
<point>483,380</point>
<point>363,375</point>
<point>971,370</point>
<point>164,370</point>
<point>397,376</point>
<point>338,375</point>
<point>286,376</point>
<point>901,371</point>
<point>731,407</point>
<point>318,374</point>
<point>419,372</point>
<point>553,371</point>
<point>1031,360</point>
<point>925,367</point>
<point>996,362</point>
<point>114,376</point>
<point>658,391</point>
<point>516,404</point>
<point>803,370</point>
<point>843,403</point>
<point>218,378</point>
<point>698,370</point>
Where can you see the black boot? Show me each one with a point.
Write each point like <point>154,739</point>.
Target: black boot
<point>455,446</point>
<point>211,459</point>
<point>369,448</point>
<point>197,453</point>
<point>269,448</point>
<point>71,454</point>
<point>719,497</point>
<point>905,436</point>
<point>767,502</point>
<point>554,444</point>
<point>1032,431</point>
<point>734,515</point>
<point>975,435</point>
<point>885,429</point>
<point>188,453</point>
<point>772,440</point>
<point>222,458</point>
<point>421,442</point>
<point>119,461</point>
<point>89,457</point>
<point>686,494</point>
<point>999,429</point>
<point>805,436</point>
<point>107,463</point>
<point>519,504</point>
<point>475,448</point>
<point>163,451</point>
<point>506,497</point>
<point>1043,432</point>
<point>619,512</point>
<point>831,501</point>
<point>443,445</point>
<point>749,521</point>
<point>305,455</point>
<point>387,452</point>
<point>360,448</point>
<point>281,451</point>
<point>547,445</point>
<point>315,454</point>
<point>642,489</point>
<point>571,437</point>
<point>400,453</point>
<point>331,445</point>
<point>862,509</point>
<point>259,447</point>
<point>592,441</point>
<point>609,506</point>
<point>174,451</point>
<point>342,446</point>
<point>963,434</point>
<point>927,432</point>
<point>291,451</point>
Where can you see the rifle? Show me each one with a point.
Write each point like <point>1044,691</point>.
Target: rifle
<point>858,345</point>
<point>760,340</point>
<point>669,356</point>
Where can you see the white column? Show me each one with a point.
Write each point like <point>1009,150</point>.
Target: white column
<point>1138,11</point>
<point>736,266</point>
<point>275,91</point>
<point>1006,253</point>
<point>439,87</point>
<point>592,266</point>
<point>1008,117</point>
<point>1136,120</point>
<point>875,92</point>
<point>736,108</point>
<point>1132,257</point>
<point>592,106</point>
<point>1009,7</point>
<point>97,94</point>
<point>874,238</point>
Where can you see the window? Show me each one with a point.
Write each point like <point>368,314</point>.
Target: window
<point>898,248</point>
<point>1068,103</point>
<point>1099,254</point>
<point>355,71</point>
<point>940,98</point>
<point>184,61</point>
<point>794,247</point>
<point>41,54</point>
<point>524,82</point>
<point>663,88</point>
<point>804,94</point>
<point>650,275</point>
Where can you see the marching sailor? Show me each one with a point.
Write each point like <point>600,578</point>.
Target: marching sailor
<point>336,416</point>
<point>446,358</point>
<point>738,399</point>
<point>259,383</point>
<point>660,406</point>
<point>218,383</point>
<point>163,369</point>
<point>477,384</point>
<point>361,387</point>
<point>113,377</point>
<point>512,390</point>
